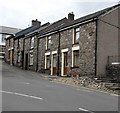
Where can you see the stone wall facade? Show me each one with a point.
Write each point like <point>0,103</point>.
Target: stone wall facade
<point>18,49</point>
<point>9,49</point>
<point>86,50</point>
<point>42,51</point>
<point>28,50</point>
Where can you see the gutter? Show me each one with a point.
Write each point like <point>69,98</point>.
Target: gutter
<point>23,53</point>
<point>37,53</point>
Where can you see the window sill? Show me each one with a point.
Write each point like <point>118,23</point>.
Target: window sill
<point>74,67</point>
<point>76,43</point>
<point>47,49</point>
<point>31,48</point>
<point>47,69</point>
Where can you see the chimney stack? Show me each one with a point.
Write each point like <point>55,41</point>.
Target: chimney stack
<point>36,23</point>
<point>71,16</point>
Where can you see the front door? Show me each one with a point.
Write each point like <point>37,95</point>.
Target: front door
<point>11,57</point>
<point>54,64</point>
<point>26,61</point>
<point>65,63</point>
<point>22,55</point>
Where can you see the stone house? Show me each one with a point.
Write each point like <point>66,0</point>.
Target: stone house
<point>18,46</point>
<point>9,50</point>
<point>82,46</point>
<point>68,47</point>
<point>31,44</point>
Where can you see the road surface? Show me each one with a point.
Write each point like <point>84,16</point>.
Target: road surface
<point>27,91</point>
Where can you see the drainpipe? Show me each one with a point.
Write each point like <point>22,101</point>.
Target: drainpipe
<point>37,53</point>
<point>96,49</point>
<point>58,63</point>
<point>23,52</point>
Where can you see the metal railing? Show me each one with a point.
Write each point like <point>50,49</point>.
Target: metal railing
<point>113,67</point>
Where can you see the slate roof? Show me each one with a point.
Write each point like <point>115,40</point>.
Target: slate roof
<point>80,20</point>
<point>25,31</point>
<point>37,30</point>
<point>52,30</point>
<point>55,25</point>
<point>91,16</point>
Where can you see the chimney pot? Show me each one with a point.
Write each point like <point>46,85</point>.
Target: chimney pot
<point>71,16</point>
<point>36,23</point>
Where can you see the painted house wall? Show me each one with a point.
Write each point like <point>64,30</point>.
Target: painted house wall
<point>119,30</point>
<point>107,40</point>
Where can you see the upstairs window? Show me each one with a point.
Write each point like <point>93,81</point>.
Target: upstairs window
<point>49,42</point>
<point>32,42</point>
<point>76,35</point>
<point>8,42</point>
<point>19,44</point>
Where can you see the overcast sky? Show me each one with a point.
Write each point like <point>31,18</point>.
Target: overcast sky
<point>19,13</point>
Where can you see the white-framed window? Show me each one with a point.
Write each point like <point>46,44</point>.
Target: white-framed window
<point>31,58</point>
<point>75,56</point>
<point>19,43</point>
<point>19,57</point>
<point>76,36</point>
<point>48,42</point>
<point>32,42</point>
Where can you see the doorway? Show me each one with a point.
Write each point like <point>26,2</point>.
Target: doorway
<point>54,64</point>
<point>64,63</point>
<point>22,55</point>
<point>26,61</point>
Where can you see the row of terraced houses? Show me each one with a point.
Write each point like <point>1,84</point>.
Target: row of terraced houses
<point>68,47</point>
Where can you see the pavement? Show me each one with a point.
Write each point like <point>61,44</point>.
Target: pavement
<point>27,91</point>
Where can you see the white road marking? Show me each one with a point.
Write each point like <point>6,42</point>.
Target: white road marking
<point>83,109</point>
<point>24,95</point>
